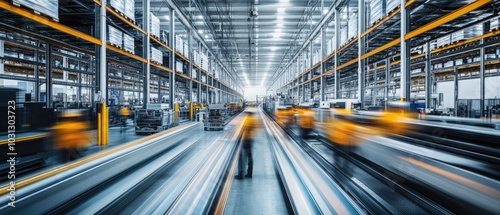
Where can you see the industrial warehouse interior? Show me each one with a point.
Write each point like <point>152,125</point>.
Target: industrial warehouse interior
<point>250,107</point>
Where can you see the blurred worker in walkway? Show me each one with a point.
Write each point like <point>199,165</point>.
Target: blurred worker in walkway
<point>250,127</point>
<point>124,115</point>
<point>71,135</point>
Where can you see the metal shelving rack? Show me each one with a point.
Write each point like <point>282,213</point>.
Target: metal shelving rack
<point>110,68</point>
<point>404,67</point>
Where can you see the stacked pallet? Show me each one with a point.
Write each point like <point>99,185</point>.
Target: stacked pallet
<point>353,26</point>
<point>391,5</point>
<point>129,9</point>
<point>196,57</point>
<point>156,55</point>
<point>443,41</point>
<point>128,43</point>
<point>154,25</point>
<point>468,33</point>
<point>118,5</point>
<point>203,61</point>
<point>329,46</point>
<point>114,36</point>
<point>164,37</point>
<point>179,66</point>
<point>316,57</point>
<point>495,23</point>
<point>343,36</point>
<point>46,7</point>
<point>448,64</point>
<point>193,73</point>
<point>179,44</point>
<point>185,49</point>
<point>377,10</point>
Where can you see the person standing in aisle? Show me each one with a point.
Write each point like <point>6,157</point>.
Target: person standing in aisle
<point>250,127</point>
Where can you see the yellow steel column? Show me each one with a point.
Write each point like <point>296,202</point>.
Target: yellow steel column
<point>176,113</point>
<point>106,124</point>
<point>99,128</point>
<point>191,111</point>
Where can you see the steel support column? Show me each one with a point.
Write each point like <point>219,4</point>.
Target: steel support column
<point>428,77</point>
<point>482,80</point>
<point>1,61</point>
<point>322,69</point>
<point>171,79</point>
<point>455,89</point>
<point>387,80</point>
<point>302,80</point>
<point>336,58</point>
<point>146,69</point>
<point>48,75</point>
<point>405,54</point>
<point>311,63</point>
<point>35,70</point>
<point>361,52</point>
<point>102,75</point>
<point>190,66</point>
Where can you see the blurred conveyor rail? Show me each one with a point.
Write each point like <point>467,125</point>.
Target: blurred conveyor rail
<point>309,189</point>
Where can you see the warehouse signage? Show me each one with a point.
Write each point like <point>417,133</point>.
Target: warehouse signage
<point>46,7</point>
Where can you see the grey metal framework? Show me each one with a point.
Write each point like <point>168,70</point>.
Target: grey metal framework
<point>374,65</point>
<point>76,55</point>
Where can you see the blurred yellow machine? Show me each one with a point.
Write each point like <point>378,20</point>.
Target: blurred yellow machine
<point>285,115</point>
<point>391,121</point>
<point>70,134</point>
<point>340,128</point>
<point>306,120</point>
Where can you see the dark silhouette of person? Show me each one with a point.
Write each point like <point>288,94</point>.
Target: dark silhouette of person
<point>250,126</point>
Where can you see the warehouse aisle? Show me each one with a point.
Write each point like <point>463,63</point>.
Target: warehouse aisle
<point>261,194</point>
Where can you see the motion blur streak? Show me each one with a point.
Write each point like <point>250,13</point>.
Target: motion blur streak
<point>221,205</point>
<point>480,187</point>
<point>57,170</point>
<point>332,198</point>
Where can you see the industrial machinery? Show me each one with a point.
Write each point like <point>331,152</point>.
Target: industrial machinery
<point>149,121</point>
<point>234,108</point>
<point>194,109</point>
<point>215,117</point>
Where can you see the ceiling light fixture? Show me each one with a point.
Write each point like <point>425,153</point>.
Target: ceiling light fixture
<point>281,10</point>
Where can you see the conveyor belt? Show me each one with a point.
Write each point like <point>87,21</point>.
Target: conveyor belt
<point>439,175</point>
